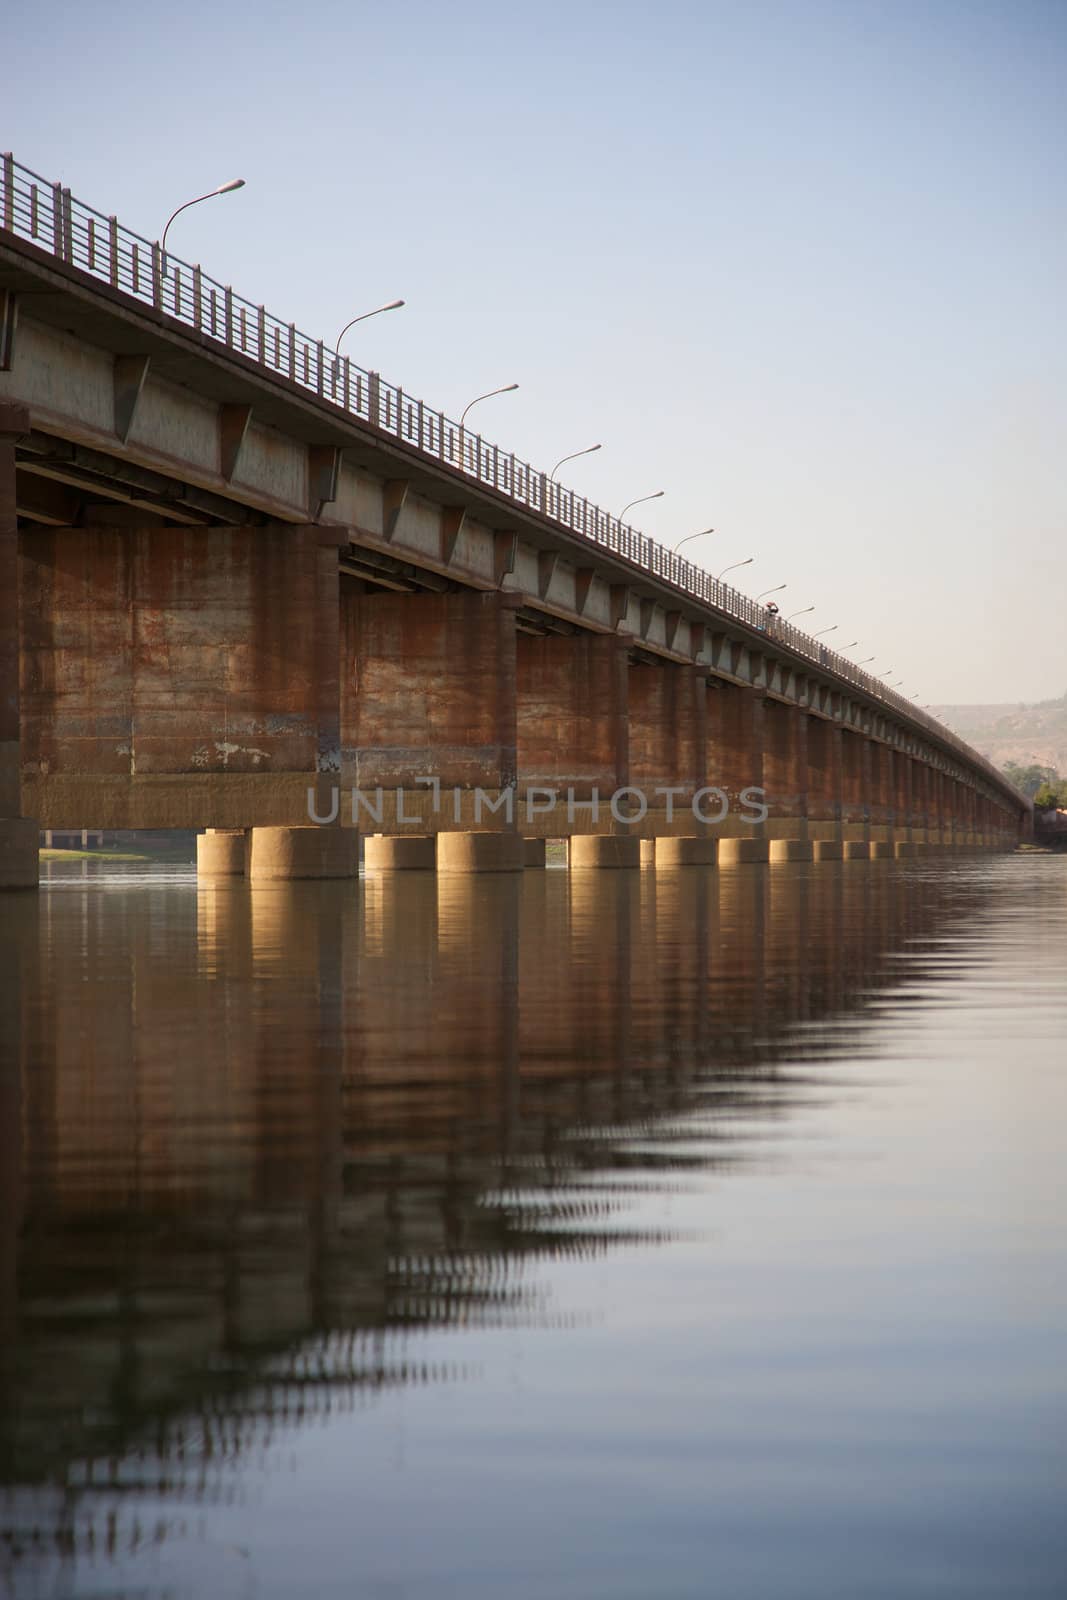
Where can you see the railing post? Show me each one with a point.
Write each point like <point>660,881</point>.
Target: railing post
<point>57,220</point>
<point>261,334</point>
<point>113,251</point>
<point>198,290</point>
<point>9,190</point>
<point>68,225</point>
<point>157,278</point>
<point>348,384</point>
<point>228,306</point>
<point>292,352</point>
<point>373,398</point>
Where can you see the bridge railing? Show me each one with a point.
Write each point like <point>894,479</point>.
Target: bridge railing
<point>47,215</point>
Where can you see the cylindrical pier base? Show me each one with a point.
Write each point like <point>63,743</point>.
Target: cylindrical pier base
<point>222,853</point>
<point>675,851</point>
<point>533,852</point>
<point>479,852</point>
<point>856,850</point>
<point>903,849</point>
<point>734,851</point>
<point>790,850</point>
<point>276,854</point>
<point>827,850</point>
<point>18,853</point>
<point>604,850</point>
<point>880,849</point>
<point>384,852</point>
<point>648,852</point>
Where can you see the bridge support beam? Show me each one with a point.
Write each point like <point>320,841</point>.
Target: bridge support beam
<point>825,780</point>
<point>572,731</point>
<point>18,834</point>
<point>668,717</point>
<point>428,710</point>
<point>785,770</point>
<point>735,755</point>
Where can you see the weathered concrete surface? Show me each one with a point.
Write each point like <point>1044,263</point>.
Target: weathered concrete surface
<point>384,852</point>
<point>734,852</point>
<point>785,768</point>
<point>573,730</point>
<point>177,677</point>
<point>533,852</point>
<point>222,853</point>
<point>18,836</point>
<point>790,850</point>
<point>282,854</point>
<point>428,692</point>
<point>674,851</point>
<point>604,851</point>
<point>735,752</point>
<point>480,852</point>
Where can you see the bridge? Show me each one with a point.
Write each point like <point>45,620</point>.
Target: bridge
<point>244,583</point>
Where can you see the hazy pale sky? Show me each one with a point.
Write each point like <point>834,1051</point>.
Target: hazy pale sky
<point>801,265</point>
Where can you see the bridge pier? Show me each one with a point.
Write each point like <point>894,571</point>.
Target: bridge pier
<point>572,731</point>
<point>785,769</point>
<point>18,833</point>
<point>668,746</point>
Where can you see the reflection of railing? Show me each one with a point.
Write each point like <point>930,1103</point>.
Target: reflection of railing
<point>47,215</point>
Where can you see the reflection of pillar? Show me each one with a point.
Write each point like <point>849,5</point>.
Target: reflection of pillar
<point>604,914</point>
<point>18,975</point>
<point>18,834</point>
<point>785,770</point>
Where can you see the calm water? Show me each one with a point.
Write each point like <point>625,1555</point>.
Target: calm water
<point>618,1235</point>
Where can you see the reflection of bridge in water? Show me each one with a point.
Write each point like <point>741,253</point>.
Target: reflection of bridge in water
<point>260,1156</point>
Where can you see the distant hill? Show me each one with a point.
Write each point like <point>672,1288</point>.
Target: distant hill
<point>1021,733</point>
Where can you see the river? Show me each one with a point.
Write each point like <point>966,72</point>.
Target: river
<point>623,1234</point>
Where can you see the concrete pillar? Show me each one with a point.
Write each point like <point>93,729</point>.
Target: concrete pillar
<point>283,853</point>
<point>533,852</point>
<point>399,852</point>
<point>604,850</point>
<point>18,834</point>
<point>736,851</point>
<point>479,852</point>
<point>572,734</point>
<point>222,853</point>
<point>785,769</point>
<point>790,850</point>
<point>668,720</point>
<point>673,850</point>
<point>428,692</point>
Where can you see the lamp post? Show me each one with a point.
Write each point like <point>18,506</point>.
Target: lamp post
<point>689,536</point>
<point>640,501</point>
<point>588,451</point>
<point>850,646</point>
<point>393,305</point>
<point>505,389</point>
<point>831,629</point>
<point>775,590</point>
<point>865,660</point>
<point>747,562</point>
<point>802,613</point>
<point>223,188</point>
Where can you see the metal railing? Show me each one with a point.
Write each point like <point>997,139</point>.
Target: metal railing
<point>47,215</point>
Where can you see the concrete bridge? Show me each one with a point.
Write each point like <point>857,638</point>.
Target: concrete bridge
<point>240,577</point>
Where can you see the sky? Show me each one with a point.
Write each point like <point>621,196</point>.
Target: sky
<point>798,264</point>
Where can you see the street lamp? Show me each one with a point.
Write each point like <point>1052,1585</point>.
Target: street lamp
<point>865,660</point>
<point>640,501</point>
<point>393,305</point>
<point>802,613</point>
<point>689,536</point>
<point>747,562</point>
<point>831,629</point>
<point>223,188</point>
<point>886,673</point>
<point>775,590</point>
<point>850,646</point>
<point>507,388</point>
<point>573,457</point>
